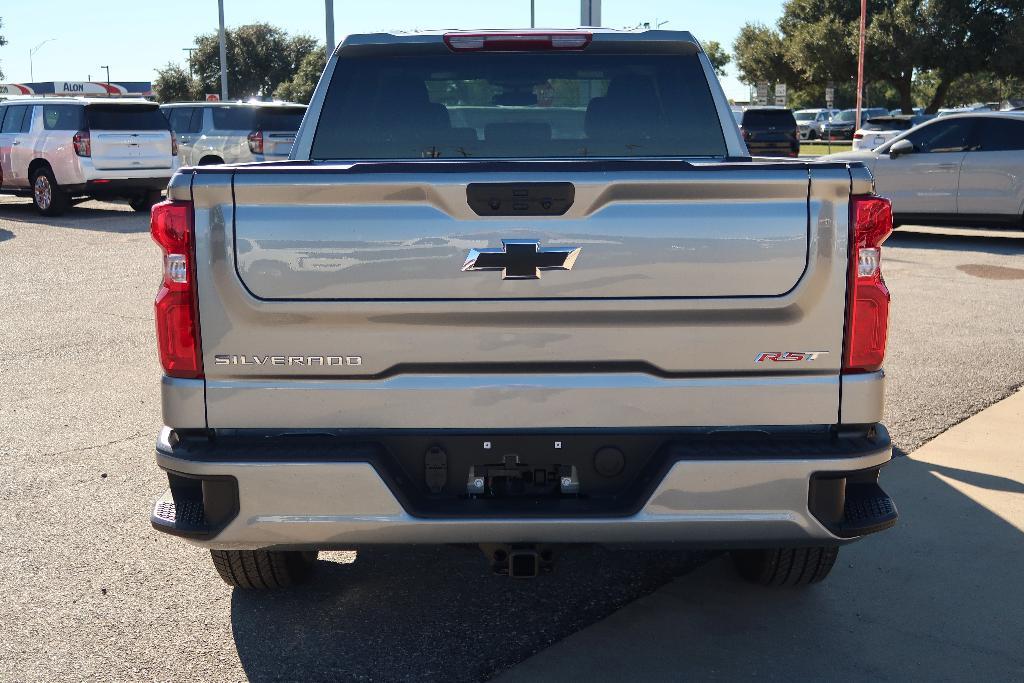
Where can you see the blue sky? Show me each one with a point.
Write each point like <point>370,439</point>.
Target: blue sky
<point>135,37</point>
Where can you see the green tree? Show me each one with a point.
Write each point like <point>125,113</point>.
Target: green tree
<point>173,84</point>
<point>260,58</point>
<point>300,87</point>
<point>986,86</point>
<point>816,41</point>
<point>717,55</point>
<point>3,41</point>
<point>967,38</point>
<point>760,55</point>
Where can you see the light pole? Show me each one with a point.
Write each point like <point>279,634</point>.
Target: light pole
<point>533,15</point>
<point>860,61</point>
<point>590,12</point>
<point>31,70</point>
<point>108,78</point>
<point>223,55</point>
<point>329,18</point>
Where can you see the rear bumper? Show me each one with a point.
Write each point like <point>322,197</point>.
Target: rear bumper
<point>786,148</point>
<point>706,490</point>
<point>117,186</point>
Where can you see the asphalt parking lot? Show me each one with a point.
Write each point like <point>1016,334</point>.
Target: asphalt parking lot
<point>91,592</point>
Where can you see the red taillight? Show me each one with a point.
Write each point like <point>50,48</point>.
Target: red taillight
<point>82,143</point>
<point>177,315</point>
<point>174,145</point>
<point>858,136</point>
<point>745,133</point>
<point>516,42</point>
<point>256,142</point>
<point>867,307</point>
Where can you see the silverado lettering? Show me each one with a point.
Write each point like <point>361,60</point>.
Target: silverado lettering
<point>223,359</point>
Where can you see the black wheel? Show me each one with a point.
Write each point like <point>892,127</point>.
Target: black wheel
<point>812,135</point>
<point>785,566</point>
<point>47,196</point>
<point>263,569</point>
<point>146,200</point>
<point>210,161</point>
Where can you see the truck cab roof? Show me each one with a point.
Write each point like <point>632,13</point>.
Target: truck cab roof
<point>600,39</point>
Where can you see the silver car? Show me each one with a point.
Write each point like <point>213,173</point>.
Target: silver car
<point>963,166</point>
<point>233,132</point>
<point>56,149</point>
<point>809,120</point>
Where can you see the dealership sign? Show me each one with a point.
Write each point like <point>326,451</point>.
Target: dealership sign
<point>135,88</point>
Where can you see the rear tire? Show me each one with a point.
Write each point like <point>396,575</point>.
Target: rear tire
<point>145,201</point>
<point>785,566</point>
<point>47,196</point>
<point>263,569</point>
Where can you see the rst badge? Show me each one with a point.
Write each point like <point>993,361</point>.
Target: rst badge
<point>787,356</point>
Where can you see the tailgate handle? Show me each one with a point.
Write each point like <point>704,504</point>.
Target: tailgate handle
<point>520,199</point>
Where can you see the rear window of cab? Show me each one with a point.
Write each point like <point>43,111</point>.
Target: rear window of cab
<point>518,105</point>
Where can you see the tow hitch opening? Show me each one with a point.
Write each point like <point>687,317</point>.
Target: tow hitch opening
<point>520,560</point>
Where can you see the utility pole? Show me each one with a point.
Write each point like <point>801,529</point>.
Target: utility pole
<point>329,15</point>
<point>189,50</point>
<point>223,56</point>
<point>860,61</point>
<point>590,12</point>
<point>533,14</point>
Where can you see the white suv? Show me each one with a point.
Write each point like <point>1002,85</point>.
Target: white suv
<point>55,150</point>
<point>233,132</point>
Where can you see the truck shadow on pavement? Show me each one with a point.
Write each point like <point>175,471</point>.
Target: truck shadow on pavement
<point>92,215</point>
<point>435,612</point>
<point>935,598</point>
<point>927,599</point>
<point>6,235</point>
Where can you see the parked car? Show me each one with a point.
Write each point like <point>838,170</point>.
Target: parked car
<point>917,111</point>
<point>57,149</point>
<point>882,128</point>
<point>809,119</point>
<point>770,132</point>
<point>842,125</point>
<point>455,319</point>
<point>968,167</point>
<point>233,132</point>
<point>976,107</point>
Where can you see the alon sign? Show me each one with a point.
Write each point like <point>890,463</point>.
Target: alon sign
<point>136,88</point>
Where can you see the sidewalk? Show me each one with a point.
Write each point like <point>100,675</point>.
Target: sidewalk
<point>939,597</point>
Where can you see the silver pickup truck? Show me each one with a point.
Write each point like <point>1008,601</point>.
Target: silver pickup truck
<point>522,290</point>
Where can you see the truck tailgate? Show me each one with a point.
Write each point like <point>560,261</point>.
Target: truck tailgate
<point>407,237</point>
<point>332,295</point>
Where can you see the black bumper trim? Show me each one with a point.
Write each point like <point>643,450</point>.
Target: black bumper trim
<point>398,459</point>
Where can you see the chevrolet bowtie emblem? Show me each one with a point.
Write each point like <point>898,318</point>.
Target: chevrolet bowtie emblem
<point>521,259</point>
